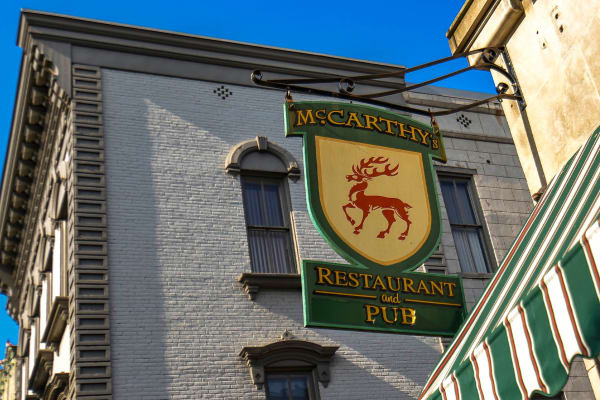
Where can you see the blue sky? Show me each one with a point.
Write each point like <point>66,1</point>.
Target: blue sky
<point>408,32</point>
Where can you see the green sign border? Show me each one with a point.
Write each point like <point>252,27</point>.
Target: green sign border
<point>348,312</point>
<point>362,136</point>
<point>345,305</point>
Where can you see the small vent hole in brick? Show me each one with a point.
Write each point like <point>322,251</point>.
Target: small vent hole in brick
<point>464,120</point>
<point>223,92</point>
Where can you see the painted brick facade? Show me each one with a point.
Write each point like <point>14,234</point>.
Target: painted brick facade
<point>132,165</point>
<point>177,243</point>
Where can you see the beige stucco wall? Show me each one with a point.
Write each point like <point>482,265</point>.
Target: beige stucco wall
<point>553,46</point>
<point>554,54</point>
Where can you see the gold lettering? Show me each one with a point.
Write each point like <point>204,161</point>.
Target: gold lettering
<point>423,135</point>
<point>409,316</point>
<point>353,277</point>
<point>388,124</point>
<point>352,117</point>
<point>331,120</point>
<point>411,130</point>
<point>321,115</point>
<point>408,284</point>
<point>371,311</point>
<point>387,298</point>
<point>302,118</point>
<point>371,122</point>
<point>384,315</point>
<point>323,274</point>
<point>402,130</point>
<point>390,286</point>
<point>435,144</point>
<point>450,287</point>
<point>437,286</point>
<point>413,134</point>
<point>340,278</point>
<point>366,278</point>
<point>378,282</point>
<point>422,286</point>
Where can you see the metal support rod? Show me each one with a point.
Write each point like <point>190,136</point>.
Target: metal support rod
<point>347,85</point>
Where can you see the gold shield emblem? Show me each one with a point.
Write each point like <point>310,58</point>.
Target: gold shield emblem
<point>374,197</point>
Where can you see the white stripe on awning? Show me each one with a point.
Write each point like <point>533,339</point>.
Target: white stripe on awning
<point>484,376</point>
<point>566,330</point>
<point>528,365</point>
<point>450,388</point>
<point>550,313</point>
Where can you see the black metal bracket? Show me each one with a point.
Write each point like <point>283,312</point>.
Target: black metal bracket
<point>347,85</point>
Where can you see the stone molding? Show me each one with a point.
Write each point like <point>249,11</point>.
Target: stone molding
<point>476,275</point>
<point>480,138</point>
<point>38,113</point>
<point>305,353</point>
<point>42,369</point>
<point>252,282</point>
<point>55,388</point>
<point>261,143</point>
<point>89,316</point>
<point>57,320</point>
<point>467,26</point>
<point>120,38</point>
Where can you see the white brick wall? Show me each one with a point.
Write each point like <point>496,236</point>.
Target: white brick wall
<point>177,243</point>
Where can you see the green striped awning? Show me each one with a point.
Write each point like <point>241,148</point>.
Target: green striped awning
<point>542,308</point>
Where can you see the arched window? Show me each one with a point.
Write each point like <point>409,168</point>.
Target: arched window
<point>264,169</point>
<point>289,368</point>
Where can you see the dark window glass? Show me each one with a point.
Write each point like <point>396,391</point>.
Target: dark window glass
<point>467,229</point>
<point>540,397</point>
<point>294,386</point>
<point>268,227</point>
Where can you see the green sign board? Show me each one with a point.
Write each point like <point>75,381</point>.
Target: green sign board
<point>342,296</point>
<point>371,194</point>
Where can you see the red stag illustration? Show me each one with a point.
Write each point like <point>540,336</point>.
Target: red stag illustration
<point>390,207</point>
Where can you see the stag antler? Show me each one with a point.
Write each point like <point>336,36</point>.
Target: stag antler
<point>365,165</point>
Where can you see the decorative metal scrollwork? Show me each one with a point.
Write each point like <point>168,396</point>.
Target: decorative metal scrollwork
<point>347,85</point>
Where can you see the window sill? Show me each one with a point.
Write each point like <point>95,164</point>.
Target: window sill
<point>57,320</point>
<point>56,385</point>
<point>252,282</point>
<point>476,275</point>
<point>41,370</point>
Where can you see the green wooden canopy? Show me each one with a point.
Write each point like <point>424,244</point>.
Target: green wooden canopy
<point>542,308</point>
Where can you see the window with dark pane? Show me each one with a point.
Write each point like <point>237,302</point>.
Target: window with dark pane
<point>267,222</point>
<point>559,396</point>
<point>290,386</point>
<point>467,229</point>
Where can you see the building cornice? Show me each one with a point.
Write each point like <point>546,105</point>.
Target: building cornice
<point>483,23</point>
<point>36,111</point>
<point>35,25</point>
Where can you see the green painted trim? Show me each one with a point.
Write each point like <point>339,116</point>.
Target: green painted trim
<point>344,306</point>
<point>314,126</point>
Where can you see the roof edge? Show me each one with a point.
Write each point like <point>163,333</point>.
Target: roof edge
<point>61,25</point>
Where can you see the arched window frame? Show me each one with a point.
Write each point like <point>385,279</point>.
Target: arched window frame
<point>287,355</point>
<point>261,143</point>
<point>253,281</point>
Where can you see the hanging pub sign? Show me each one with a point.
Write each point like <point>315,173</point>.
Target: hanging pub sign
<point>371,194</point>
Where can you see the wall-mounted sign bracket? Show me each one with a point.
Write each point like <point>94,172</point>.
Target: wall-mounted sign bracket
<point>348,85</point>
